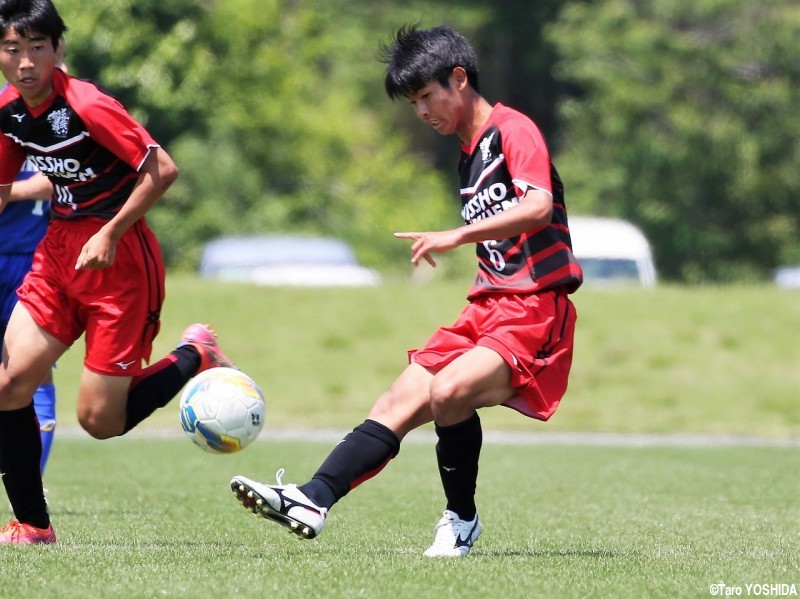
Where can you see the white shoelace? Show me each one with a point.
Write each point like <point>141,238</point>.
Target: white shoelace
<point>279,475</point>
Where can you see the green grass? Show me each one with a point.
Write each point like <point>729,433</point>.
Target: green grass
<point>153,517</point>
<point>706,360</point>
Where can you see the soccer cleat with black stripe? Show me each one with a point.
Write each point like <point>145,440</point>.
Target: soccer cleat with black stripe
<point>285,504</point>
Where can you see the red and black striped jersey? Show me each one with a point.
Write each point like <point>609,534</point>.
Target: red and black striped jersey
<point>82,139</point>
<point>507,158</point>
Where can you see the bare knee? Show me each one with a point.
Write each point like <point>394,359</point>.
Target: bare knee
<point>98,429</point>
<point>15,392</point>
<point>102,402</point>
<point>401,413</point>
<point>99,425</point>
<point>444,391</point>
<point>449,401</point>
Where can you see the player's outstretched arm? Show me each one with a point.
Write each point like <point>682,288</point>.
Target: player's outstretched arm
<point>428,242</point>
<point>533,211</point>
<point>35,187</point>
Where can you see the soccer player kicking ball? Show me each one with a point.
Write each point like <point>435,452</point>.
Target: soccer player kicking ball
<point>98,270</point>
<point>512,343</point>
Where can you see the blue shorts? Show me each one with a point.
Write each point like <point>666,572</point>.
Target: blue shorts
<point>13,268</point>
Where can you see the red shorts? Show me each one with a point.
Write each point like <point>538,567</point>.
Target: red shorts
<point>118,307</point>
<point>533,333</point>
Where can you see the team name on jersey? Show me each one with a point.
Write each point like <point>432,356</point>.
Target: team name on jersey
<point>65,168</point>
<point>491,200</point>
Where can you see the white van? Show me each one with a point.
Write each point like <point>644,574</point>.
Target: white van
<point>295,260</point>
<point>611,251</point>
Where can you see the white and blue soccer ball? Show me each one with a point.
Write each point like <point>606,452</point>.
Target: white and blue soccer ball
<point>222,410</point>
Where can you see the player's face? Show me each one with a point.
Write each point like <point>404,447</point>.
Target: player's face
<point>27,63</point>
<point>441,107</point>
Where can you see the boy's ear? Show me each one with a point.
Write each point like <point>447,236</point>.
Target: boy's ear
<point>61,50</point>
<point>459,76</point>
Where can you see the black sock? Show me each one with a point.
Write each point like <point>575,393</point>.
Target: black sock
<point>457,454</point>
<point>159,383</point>
<point>20,452</point>
<point>358,457</point>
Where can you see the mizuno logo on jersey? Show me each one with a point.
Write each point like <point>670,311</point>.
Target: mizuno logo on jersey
<point>19,117</point>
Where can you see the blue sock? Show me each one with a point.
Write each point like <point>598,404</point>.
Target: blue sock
<point>44,402</point>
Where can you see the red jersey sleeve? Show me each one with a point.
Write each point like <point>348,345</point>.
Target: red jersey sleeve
<point>11,160</point>
<point>107,121</point>
<point>526,153</point>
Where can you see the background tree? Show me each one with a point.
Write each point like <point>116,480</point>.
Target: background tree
<point>276,114</point>
<point>678,115</point>
<point>150,54</point>
<point>687,125</point>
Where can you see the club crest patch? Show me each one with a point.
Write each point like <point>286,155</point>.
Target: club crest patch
<point>59,121</point>
<point>486,148</point>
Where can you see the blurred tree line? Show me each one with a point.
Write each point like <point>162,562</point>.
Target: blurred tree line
<point>679,115</point>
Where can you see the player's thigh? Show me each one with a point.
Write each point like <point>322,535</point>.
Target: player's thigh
<point>29,353</point>
<point>478,378</point>
<point>102,400</point>
<point>406,405</point>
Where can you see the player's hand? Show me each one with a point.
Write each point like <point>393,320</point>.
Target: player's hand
<point>97,253</point>
<point>428,242</point>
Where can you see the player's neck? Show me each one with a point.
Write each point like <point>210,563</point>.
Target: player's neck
<point>478,115</point>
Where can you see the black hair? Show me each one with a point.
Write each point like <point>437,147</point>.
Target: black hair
<point>29,16</point>
<point>417,57</point>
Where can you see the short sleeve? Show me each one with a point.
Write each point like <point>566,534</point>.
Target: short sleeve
<point>11,160</point>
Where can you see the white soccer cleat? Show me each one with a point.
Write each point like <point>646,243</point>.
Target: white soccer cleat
<point>285,504</point>
<point>454,536</point>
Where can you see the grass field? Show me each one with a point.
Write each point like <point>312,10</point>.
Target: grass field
<point>150,515</point>
<point>712,360</point>
<point>153,517</point>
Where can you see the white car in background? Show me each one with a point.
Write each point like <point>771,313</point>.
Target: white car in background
<point>611,251</point>
<point>787,276</point>
<point>294,260</point>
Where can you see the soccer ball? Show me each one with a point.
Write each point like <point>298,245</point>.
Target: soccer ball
<point>222,410</point>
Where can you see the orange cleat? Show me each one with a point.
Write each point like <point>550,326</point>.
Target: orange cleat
<point>19,533</point>
<point>203,338</point>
